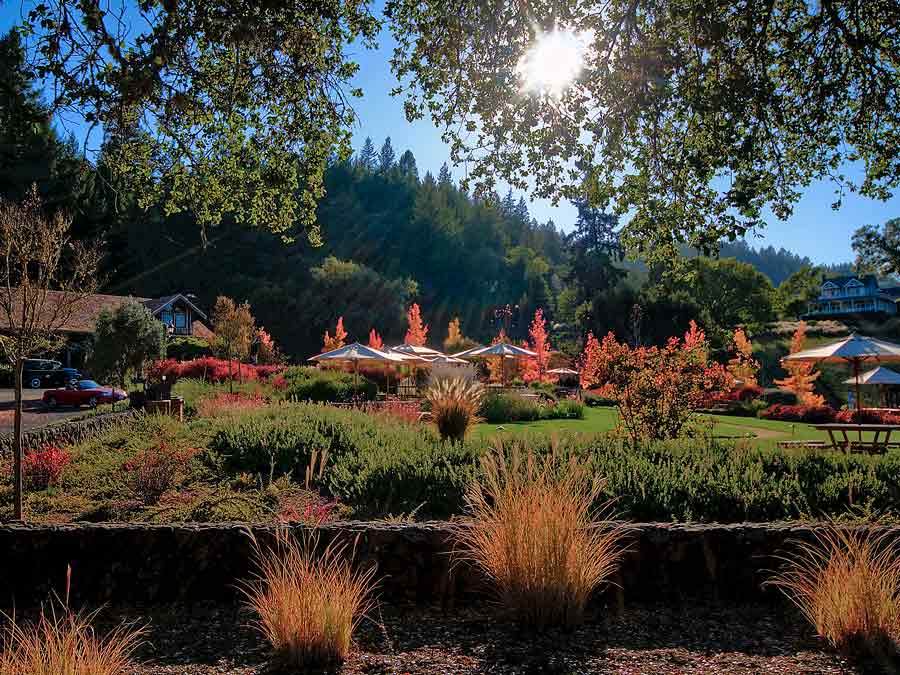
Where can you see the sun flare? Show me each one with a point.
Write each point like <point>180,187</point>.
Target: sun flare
<point>553,62</point>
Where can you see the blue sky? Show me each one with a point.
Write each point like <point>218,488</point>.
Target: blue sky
<point>814,230</point>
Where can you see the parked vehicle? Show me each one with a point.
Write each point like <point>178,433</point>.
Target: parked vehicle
<point>39,373</point>
<point>83,392</point>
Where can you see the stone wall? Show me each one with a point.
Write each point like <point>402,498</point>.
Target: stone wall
<point>158,563</point>
<point>66,433</point>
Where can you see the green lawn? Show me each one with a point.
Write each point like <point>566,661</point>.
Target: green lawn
<point>765,433</point>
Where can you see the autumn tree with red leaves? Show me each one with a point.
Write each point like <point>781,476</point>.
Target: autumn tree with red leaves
<point>535,369</point>
<point>742,366</point>
<point>656,389</point>
<point>801,374</point>
<point>417,332</point>
<point>336,342</point>
<point>375,341</point>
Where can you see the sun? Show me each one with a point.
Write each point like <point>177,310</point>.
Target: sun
<point>553,62</point>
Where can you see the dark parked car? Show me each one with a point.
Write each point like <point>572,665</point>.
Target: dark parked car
<point>83,392</point>
<point>43,373</point>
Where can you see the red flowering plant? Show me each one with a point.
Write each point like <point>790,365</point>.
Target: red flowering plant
<point>44,468</point>
<point>656,389</point>
<point>155,470</point>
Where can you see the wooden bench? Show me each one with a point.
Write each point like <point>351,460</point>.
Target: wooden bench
<point>803,444</point>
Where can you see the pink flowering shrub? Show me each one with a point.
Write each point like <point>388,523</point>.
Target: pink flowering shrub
<point>211,370</point>
<point>44,468</point>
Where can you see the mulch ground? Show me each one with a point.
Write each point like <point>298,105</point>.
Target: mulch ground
<point>650,639</point>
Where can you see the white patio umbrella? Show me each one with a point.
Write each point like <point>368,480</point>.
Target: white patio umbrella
<point>501,350</point>
<point>563,371</point>
<point>356,353</point>
<point>443,358</point>
<point>463,354</point>
<point>855,350</point>
<point>881,377</point>
<point>416,350</point>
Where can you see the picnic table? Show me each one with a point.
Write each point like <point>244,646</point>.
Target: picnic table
<point>840,436</point>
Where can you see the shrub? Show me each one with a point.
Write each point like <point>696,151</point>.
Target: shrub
<point>866,417</point>
<point>505,408</point>
<point>567,409</point>
<point>779,396</point>
<point>534,535</point>
<point>153,471</point>
<point>44,468</point>
<point>66,643</point>
<point>810,414</point>
<point>454,406</point>
<point>593,399</point>
<point>326,385</point>
<point>745,393</point>
<point>187,348</point>
<point>308,604</point>
<point>224,404</point>
<point>405,411</point>
<point>847,584</point>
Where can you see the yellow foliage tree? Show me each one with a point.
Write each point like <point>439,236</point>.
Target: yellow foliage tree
<point>336,342</point>
<point>743,366</point>
<point>801,375</point>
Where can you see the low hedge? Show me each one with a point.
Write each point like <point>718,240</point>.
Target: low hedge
<point>810,414</point>
<point>505,408</point>
<point>325,385</point>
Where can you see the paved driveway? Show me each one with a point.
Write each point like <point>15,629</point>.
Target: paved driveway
<point>35,413</point>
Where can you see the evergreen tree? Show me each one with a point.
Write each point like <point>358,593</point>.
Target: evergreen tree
<point>367,158</point>
<point>407,165</point>
<point>444,177</point>
<point>508,205</point>
<point>31,151</point>
<point>386,156</point>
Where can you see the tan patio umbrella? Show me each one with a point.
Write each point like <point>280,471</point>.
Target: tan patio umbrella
<point>443,358</point>
<point>563,371</point>
<point>855,350</point>
<point>501,350</point>
<point>356,353</point>
<point>880,377</point>
<point>463,354</point>
<point>416,350</point>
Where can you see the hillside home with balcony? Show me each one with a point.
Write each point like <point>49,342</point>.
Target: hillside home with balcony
<point>853,295</point>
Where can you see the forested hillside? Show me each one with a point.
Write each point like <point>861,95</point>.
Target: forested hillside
<point>392,234</point>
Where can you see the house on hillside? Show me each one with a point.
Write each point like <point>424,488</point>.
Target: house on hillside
<point>853,295</point>
<point>177,312</point>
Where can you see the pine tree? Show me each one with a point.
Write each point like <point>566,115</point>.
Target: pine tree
<point>407,165</point>
<point>508,205</point>
<point>417,332</point>
<point>386,157</point>
<point>31,152</point>
<point>444,177</point>
<point>521,212</point>
<point>801,378</point>
<point>367,157</point>
<point>336,342</point>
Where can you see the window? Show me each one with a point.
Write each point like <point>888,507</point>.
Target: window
<point>180,320</point>
<point>166,316</point>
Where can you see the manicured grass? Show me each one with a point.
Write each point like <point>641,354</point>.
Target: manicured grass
<point>764,433</point>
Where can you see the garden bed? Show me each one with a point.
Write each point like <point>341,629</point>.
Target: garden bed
<point>210,640</point>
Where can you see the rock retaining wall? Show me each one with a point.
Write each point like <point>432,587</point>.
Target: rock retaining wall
<point>187,563</point>
<point>66,433</point>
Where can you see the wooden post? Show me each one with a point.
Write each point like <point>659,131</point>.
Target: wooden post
<point>18,450</point>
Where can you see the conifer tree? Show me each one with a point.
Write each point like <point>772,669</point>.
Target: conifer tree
<point>386,157</point>
<point>444,177</point>
<point>407,165</point>
<point>417,332</point>
<point>367,157</point>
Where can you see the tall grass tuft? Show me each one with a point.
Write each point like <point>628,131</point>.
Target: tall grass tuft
<point>847,584</point>
<point>65,644</point>
<point>536,536</point>
<point>454,404</point>
<point>308,603</point>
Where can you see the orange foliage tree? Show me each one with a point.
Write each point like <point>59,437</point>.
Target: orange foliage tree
<point>340,335</point>
<point>801,375</point>
<point>535,369</point>
<point>495,365</point>
<point>742,366</point>
<point>417,332</point>
<point>656,389</point>
<point>266,351</point>
<point>375,341</point>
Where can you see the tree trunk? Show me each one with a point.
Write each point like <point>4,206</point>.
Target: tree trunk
<point>230,376</point>
<point>18,452</point>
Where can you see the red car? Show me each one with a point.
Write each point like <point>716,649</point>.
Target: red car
<point>83,392</point>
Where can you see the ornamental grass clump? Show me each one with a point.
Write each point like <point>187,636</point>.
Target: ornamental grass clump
<point>454,404</point>
<point>308,602</point>
<point>846,582</point>
<point>66,644</point>
<point>536,535</point>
